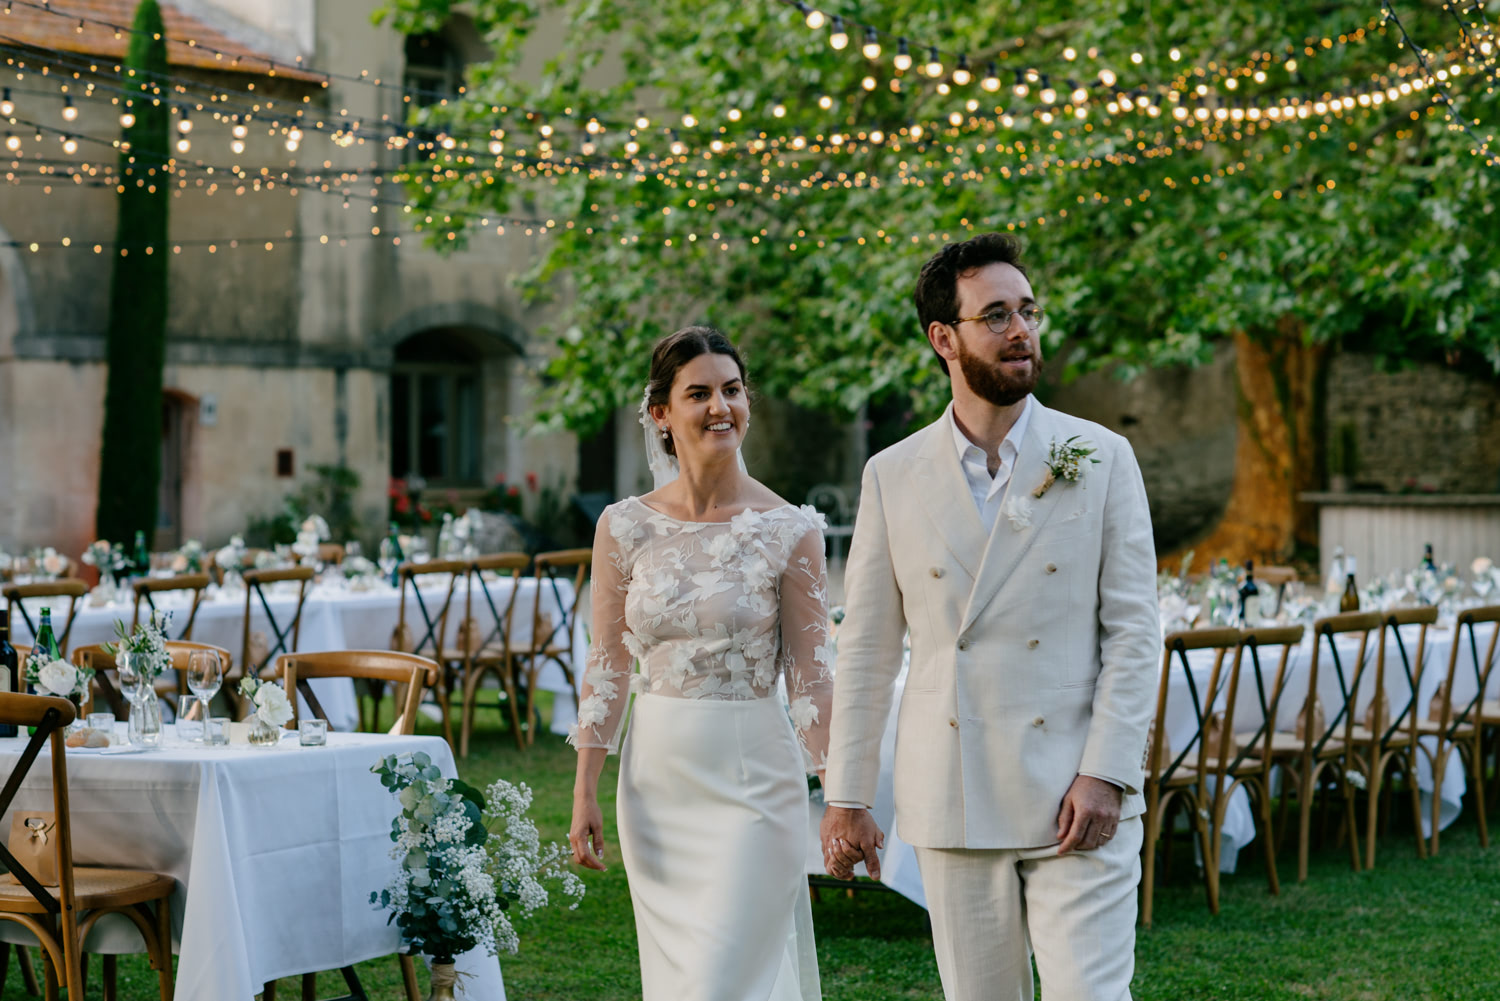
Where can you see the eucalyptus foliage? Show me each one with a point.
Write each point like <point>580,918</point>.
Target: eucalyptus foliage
<point>1373,226</point>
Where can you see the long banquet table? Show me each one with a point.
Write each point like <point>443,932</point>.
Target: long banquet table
<point>898,861</point>
<point>334,617</point>
<point>275,852</point>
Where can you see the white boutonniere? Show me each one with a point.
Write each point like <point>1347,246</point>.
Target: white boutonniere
<point>1018,511</point>
<point>1065,462</point>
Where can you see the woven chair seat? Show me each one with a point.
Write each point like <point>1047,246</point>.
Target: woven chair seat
<point>93,888</point>
<point>1431,727</point>
<point>1284,744</point>
<point>1401,738</point>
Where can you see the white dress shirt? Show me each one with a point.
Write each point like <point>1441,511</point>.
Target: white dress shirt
<point>989,491</point>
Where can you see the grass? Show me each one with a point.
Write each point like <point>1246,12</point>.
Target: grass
<point>1412,930</point>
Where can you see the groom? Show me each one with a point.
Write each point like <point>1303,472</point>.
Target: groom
<point>1013,543</point>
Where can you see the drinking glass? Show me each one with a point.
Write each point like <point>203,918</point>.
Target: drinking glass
<point>189,719</point>
<point>205,675</point>
<point>128,667</point>
<point>352,549</point>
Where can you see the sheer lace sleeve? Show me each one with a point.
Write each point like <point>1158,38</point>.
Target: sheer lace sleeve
<point>806,653</point>
<point>610,662</point>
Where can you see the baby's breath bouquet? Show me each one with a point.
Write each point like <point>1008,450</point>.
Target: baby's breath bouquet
<point>465,857</point>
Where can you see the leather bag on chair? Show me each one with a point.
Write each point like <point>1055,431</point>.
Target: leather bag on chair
<point>31,842</point>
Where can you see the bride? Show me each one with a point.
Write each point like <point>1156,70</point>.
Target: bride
<point>717,588</point>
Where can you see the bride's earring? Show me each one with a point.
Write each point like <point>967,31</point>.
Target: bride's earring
<point>666,433</point>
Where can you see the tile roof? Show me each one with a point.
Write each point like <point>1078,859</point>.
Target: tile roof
<point>75,26</point>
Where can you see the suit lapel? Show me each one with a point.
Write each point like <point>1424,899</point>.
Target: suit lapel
<point>1007,543</point>
<point>946,499</point>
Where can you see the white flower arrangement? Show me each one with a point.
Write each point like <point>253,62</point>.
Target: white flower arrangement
<point>54,676</point>
<point>315,524</point>
<point>232,556</point>
<point>1065,462</point>
<point>49,562</point>
<point>272,707</point>
<point>108,557</point>
<point>188,559</point>
<point>465,857</point>
<point>147,642</point>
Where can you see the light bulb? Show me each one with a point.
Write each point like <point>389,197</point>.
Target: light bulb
<point>934,64</point>
<point>872,44</point>
<point>69,144</point>
<point>815,18</point>
<point>126,120</point>
<point>1079,94</point>
<point>1020,89</point>
<point>1070,53</point>
<point>184,144</point>
<point>239,131</point>
<point>1175,54</point>
<point>70,110</point>
<point>961,74</point>
<point>825,102</point>
<point>735,114</point>
<point>1107,77</point>
<point>839,38</point>
<point>237,146</point>
<point>593,127</point>
<point>12,141</point>
<point>677,145</point>
<point>496,147</point>
<point>798,140</point>
<point>916,131</point>
<point>184,124</point>
<point>689,120</point>
<point>295,135</point>
<point>903,56</point>
<point>291,145</point>
<point>991,80</point>
<point>868,83</point>
<point>1048,95</point>
<point>778,110</point>
<point>642,122</point>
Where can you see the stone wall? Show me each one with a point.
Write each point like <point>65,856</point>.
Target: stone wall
<point>1425,427</point>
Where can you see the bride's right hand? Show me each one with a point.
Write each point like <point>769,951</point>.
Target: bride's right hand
<point>587,833</point>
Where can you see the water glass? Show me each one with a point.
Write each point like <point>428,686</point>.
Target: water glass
<point>189,719</point>
<point>312,732</point>
<point>216,731</point>
<point>144,729</point>
<point>103,722</point>
<point>205,675</point>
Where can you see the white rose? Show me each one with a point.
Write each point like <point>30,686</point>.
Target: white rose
<point>271,705</point>
<point>53,563</point>
<point>58,677</point>
<point>1482,566</point>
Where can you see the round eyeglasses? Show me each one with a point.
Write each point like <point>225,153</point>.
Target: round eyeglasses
<point>998,320</point>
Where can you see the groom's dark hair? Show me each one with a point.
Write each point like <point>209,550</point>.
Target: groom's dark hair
<point>936,295</point>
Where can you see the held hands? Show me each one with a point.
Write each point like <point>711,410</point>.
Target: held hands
<point>850,836</point>
<point>1089,815</point>
<point>586,834</point>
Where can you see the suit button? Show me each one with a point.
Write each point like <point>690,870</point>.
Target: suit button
<point>1052,568</point>
<point>963,644</point>
<point>1038,721</point>
<point>936,572</point>
<point>953,723</point>
<point>1033,644</point>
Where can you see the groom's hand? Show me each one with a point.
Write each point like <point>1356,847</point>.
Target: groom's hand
<point>848,837</point>
<point>1089,815</point>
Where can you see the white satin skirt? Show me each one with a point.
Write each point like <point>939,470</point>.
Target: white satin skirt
<point>712,814</point>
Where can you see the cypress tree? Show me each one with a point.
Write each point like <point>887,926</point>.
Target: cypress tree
<point>130,460</point>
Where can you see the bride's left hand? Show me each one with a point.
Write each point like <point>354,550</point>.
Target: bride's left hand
<point>587,834</point>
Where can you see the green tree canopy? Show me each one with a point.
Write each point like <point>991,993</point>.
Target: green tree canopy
<point>1341,217</point>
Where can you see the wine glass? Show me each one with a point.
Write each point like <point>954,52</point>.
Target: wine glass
<point>205,675</point>
<point>128,668</point>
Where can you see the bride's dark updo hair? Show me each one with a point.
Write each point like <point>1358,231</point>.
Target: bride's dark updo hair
<point>676,350</point>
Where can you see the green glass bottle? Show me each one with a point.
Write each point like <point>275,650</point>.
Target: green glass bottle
<point>142,557</point>
<point>10,669</point>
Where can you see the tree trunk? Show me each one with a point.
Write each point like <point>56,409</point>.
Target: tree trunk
<point>1278,452</point>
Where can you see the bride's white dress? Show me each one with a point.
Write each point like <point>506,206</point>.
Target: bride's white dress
<point>712,806</point>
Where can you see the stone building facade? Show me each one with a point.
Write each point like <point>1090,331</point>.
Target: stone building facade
<point>296,335</point>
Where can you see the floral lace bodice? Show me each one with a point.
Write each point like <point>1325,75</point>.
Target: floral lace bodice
<point>709,610</point>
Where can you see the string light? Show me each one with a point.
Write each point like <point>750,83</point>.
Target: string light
<point>902,61</point>
<point>184,123</point>
<point>69,110</point>
<point>7,106</point>
<point>934,67</point>
<point>991,80</point>
<point>127,119</point>
<point>814,18</point>
<point>12,141</point>
<point>961,74</point>
<point>838,38</point>
<point>872,44</point>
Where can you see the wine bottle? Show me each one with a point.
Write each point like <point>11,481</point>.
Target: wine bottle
<point>142,557</point>
<point>10,670</point>
<point>1427,563</point>
<point>1350,601</point>
<point>1249,597</point>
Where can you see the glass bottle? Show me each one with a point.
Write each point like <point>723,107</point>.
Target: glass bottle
<point>1350,601</point>
<point>1427,563</point>
<point>10,669</point>
<point>142,557</point>
<point>1335,579</point>
<point>1249,597</point>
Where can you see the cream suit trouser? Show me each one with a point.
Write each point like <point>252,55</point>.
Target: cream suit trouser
<point>992,909</point>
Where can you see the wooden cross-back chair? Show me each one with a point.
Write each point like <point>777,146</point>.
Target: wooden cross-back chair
<point>429,636</point>
<point>490,652</point>
<point>106,678</point>
<point>404,670</point>
<point>1387,734</point>
<point>1239,755</point>
<point>149,589</point>
<point>253,663</point>
<point>70,588</point>
<point>1320,749</point>
<point>1459,721</point>
<point>552,636</point>
<point>1178,776</point>
<point>62,916</point>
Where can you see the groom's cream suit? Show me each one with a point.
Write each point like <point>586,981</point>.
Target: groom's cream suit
<point>1033,660</point>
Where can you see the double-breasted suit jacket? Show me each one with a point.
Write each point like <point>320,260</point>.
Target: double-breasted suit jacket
<point>1033,646</point>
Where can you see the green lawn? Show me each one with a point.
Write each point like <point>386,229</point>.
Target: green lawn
<point>1410,931</point>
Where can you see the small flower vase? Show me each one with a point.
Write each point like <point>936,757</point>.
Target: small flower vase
<point>444,976</point>
<point>144,726</point>
<point>263,734</point>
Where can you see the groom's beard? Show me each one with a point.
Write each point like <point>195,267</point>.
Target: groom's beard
<point>990,381</point>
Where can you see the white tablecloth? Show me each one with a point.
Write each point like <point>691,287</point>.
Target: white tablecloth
<point>275,852</point>
<point>333,618</point>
